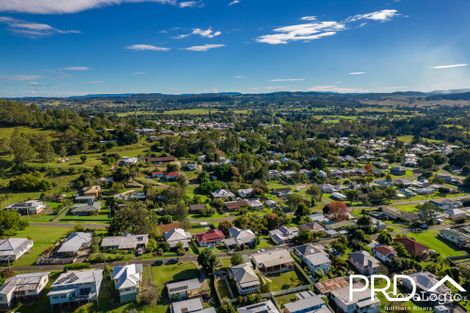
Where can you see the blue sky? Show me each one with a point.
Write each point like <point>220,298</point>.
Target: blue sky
<point>76,47</point>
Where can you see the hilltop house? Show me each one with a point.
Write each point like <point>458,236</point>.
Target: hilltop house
<point>13,248</point>
<point>76,286</point>
<point>283,234</point>
<point>128,242</point>
<point>184,289</point>
<point>211,238</point>
<point>74,243</point>
<point>361,301</point>
<point>28,207</point>
<point>314,257</point>
<point>127,280</point>
<point>176,236</point>
<point>364,263</point>
<point>245,278</point>
<point>273,261</point>
<point>21,286</point>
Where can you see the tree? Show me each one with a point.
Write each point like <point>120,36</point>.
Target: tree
<point>21,147</point>
<point>293,199</point>
<point>301,211</point>
<point>466,182</point>
<point>10,223</point>
<point>133,218</point>
<point>207,260</point>
<point>236,259</point>
<point>152,245</point>
<point>336,210</point>
<point>385,238</point>
<point>224,226</point>
<point>227,307</point>
<point>428,212</point>
<point>83,158</point>
<point>315,192</point>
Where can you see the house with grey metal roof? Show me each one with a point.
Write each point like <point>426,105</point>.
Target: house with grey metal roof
<point>22,286</point>
<point>273,261</point>
<point>128,242</point>
<point>76,286</point>
<point>314,257</point>
<point>190,306</point>
<point>364,262</point>
<point>74,243</point>
<point>240,237</point>
<point>176,236</point>
<point>12,249</point>
<point>262,307</point>
<point>184,289</point>
<point>127,280</point>
<point>283,234</point>
<point>307,301</point>
<point>87,208</point>
<point>361,301</point>
<point>245,278</point>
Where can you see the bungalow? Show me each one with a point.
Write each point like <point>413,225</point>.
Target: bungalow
<point>266,306</point>
<point>361,301</point>
<point>28,207</point>
<point>281,192</point>
<point>240,238</point>
<point>127,280</point>
<point>76,286</point>
<point>274,261</point>
<point>384,253</point>
<point>338,196</point>
<point>13,248</point>
<point>176,236</point>
<point>364,263</point>
<point>197,208</point>
<point>157,174</point>
<point>457,214</point>
<point>397,171</point>
<point>127,242</point>
<point>211,238</point>
<point>172,176</point>
<point>327,188</point>
<point>83,209</point>
<point>125,161</point>
<point>235,205</point>
<point>283,234</point>
<point>94,191</point>
<point>270,203</point>
<point>456,237</point>
<point>195,305</point>
<point>314,257</point>
<point>415,249</point>
<point>245,193</point>
<point>20,286</point>
<point>74,243</point>
<point>255,203</point>
<point>307,301</point>
<point>184,289</point>
<point>160,160</point>
<point>223,194</point>
<point>313,227</point>
<point>245,278</point>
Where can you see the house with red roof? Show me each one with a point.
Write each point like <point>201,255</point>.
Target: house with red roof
<point>211,238</point>
<point>172,175</point>
<point>158,174</point>
<point>414,248</point>
<point>384,253</point>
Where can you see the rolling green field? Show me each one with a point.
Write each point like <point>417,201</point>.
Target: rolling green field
<point>429,238</point>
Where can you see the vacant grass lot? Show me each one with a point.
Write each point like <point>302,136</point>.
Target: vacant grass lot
<point>285,280</point>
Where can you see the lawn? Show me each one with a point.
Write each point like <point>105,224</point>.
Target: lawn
<point>43,237</point>
<point>281,300</point>
<point>429,238</point>
<point>198,111</point>
<point>285,280</point>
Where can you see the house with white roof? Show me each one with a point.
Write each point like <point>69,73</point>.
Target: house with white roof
<point>28,207</point>
<point>245,193</point>
<point>76,286</point>
<point>74,243</point>
<point>128,242</point>
<point>245,278</point>
<point>307,301</point>
<point>21,286</point>
<point>240,238</point>
<point>127,280</point>
<point>456,237</point>
<point>12,249</point>
<point>314,256</point>
<point>364,263</point>
<point>273,261</point>
<point>361,301</point>
<point>283,234</point>
<point>262,307</point>
<point>184,289</point>
<point>223,194</point>
<point>178,235</point>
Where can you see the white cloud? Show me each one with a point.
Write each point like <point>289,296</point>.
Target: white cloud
<point>234,2</point>
<point>32,29</point>
<point>20,77</point>
<point>380,16</point>
<point>77,68</point>
<point>189,4</point>
<point>204,48</point>
<point>207,33</point>
<point>314,29</point>
<point>145,47</point>
<point>66,6</point>
<point>438,67</point>
<point>357,73</point>
<point>333,88</point>
<point>308,18</point>
<point>287,79</point>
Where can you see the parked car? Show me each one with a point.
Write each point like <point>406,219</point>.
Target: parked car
<point>172,261</point>
<point>157,263</point>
